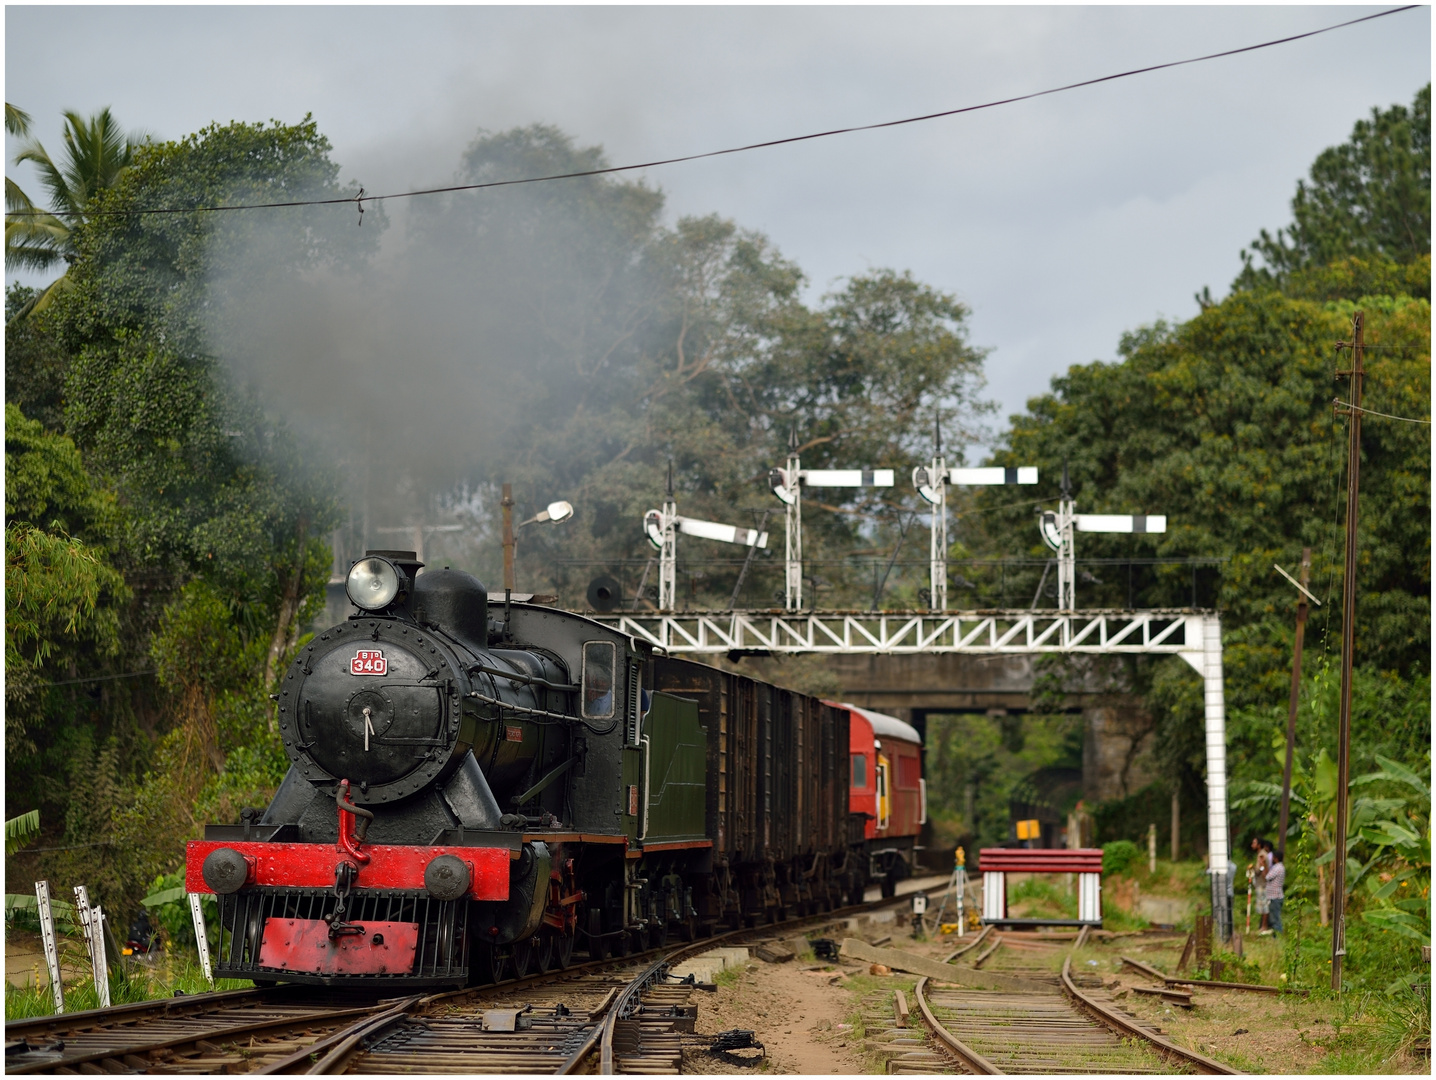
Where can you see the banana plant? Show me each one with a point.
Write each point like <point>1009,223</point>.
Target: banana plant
<point>1380,822</point>
<point>19,831</point>
<point>1401,847</point>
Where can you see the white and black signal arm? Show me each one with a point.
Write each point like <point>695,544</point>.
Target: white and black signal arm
<point>931,482</point>
<point>662,527</point>
<point>787,484</point>
<point>1058,528</point>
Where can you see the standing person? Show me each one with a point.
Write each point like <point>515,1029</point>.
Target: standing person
<point>1275,893</point>
<point>1262,847</point>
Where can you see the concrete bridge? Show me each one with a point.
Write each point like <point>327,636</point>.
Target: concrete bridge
<point>1117,736</point>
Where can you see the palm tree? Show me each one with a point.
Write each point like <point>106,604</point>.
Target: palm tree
<point>96,152</point>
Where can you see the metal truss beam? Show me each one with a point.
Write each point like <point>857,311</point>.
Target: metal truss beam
<point>1159,632</point>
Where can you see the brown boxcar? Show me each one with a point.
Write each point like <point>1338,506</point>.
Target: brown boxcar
<point>778,810</point>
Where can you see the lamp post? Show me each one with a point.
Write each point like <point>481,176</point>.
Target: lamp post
<point>554,512</point>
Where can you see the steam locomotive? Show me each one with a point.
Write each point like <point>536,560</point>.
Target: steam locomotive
<point>479,791</point>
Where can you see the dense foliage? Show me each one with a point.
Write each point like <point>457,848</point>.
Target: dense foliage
<point>1367,199</point>
<point>201,500</point>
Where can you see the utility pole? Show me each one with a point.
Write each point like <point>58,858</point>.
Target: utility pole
<point>1348,650</point>
<point>1301,609</point>
<point>507,502</point>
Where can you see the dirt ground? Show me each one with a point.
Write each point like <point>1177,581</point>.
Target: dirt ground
<point>807,1014</point>
<point>799,1015</point>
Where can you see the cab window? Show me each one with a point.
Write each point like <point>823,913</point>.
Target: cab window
<point>860,770</point>
<point>598,679</point>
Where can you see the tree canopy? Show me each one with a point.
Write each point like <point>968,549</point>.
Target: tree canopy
<point>1367,199</point>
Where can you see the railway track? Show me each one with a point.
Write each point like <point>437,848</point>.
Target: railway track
<point>1064,1023</point>
<point>626,1012</point>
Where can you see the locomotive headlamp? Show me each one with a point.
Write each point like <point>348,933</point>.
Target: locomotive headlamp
<point>373,583</point>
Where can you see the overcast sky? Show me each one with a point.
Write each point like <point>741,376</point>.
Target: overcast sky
<point>1061,222</point>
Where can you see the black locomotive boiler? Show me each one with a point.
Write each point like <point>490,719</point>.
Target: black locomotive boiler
<point>479,790</point>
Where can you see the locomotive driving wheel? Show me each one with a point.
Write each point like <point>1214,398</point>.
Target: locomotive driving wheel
<point>543,951</point>
<point>562,949</point>
<point>524,956</point>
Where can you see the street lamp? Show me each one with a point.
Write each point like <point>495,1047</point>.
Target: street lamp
<point>554,512</point>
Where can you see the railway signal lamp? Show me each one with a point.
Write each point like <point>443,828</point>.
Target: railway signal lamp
<point>662,528</point>
<point>787,484</point>
<point>1058,528</point>
<point>931,482</point>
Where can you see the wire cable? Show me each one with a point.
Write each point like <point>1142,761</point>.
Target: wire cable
<point>1373,412</point>
<point>361,198</point>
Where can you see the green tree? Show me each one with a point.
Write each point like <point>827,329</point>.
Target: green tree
<point>62,596</point>
<point>1369,198</point>
<point>96,152</point>
<point>219,516</point>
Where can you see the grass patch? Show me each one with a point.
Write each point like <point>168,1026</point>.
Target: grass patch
<point>1035,898</point>
<point>133,984</point>
<point>729,976</point>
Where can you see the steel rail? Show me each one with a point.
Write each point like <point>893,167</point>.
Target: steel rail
<point>969,1057</point>
<point>138,1043</point>
<point>337,1047</point>
<point>340,1047</point>
<point>54,1023</point>
<point>624,1007</point>
<point>1126,1026</point>
<point>986,930</point>
<point>614,1008</point>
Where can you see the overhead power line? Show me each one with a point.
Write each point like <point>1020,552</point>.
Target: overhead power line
<point>1373,412</point>
<point>361,198</point>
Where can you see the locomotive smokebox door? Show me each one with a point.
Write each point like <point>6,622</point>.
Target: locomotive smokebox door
<point>376,701</point>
